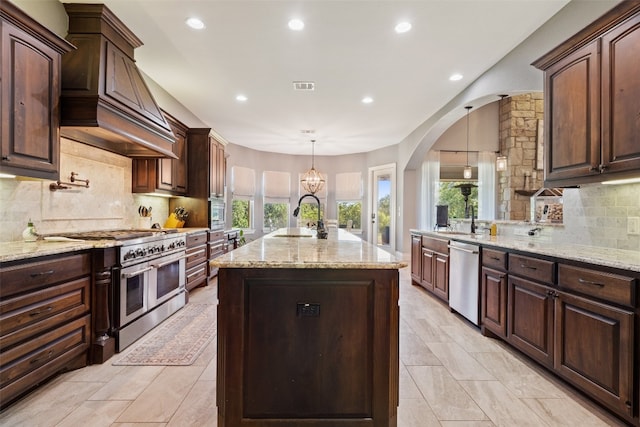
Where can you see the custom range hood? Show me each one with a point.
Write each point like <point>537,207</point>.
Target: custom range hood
<point>105,101</point>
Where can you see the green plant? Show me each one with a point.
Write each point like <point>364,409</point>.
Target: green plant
<point>241,239</point>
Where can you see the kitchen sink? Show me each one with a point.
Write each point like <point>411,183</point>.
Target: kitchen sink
<point>294,232</point>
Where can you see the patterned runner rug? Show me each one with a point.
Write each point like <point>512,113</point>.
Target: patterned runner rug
<point>178,341</point>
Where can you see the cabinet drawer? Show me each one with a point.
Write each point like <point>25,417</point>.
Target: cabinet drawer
<point>215,249</point>
<point>24,277</point>
<point>436,245</point>
<point>196,239</point>
<point>196,256</point>
<point>33,313</point>
<point>607,286</point>
<point>196,274</point>
<point>532,268</point>
<point>215,236</point>
<point>494,259</point>
<point>71,338</point>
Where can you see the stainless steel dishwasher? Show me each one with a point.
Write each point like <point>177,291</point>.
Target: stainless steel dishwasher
<point>464,260</point>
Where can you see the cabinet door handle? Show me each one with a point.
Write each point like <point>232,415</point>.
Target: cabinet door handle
<point>589,282</point>
<point>42,273</point>
<point>528,266</point>
<point>5,158</point>
<point>37,313</point>
<point>603,168</point>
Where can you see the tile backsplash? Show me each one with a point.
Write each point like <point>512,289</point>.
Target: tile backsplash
<point>107,204</point>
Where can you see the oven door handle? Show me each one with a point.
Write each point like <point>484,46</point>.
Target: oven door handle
<point>168,262</point>
<point>135,273</point>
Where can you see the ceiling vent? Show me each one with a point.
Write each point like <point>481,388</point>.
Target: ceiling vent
<point>304,86</point>
<point>307,131</point>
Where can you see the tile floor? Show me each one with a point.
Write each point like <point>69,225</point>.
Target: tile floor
<point>450,375</point>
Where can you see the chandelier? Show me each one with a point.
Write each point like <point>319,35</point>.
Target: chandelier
<point>312,181</point>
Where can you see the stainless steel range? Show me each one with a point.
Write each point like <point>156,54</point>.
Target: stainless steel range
<point>149,282</point>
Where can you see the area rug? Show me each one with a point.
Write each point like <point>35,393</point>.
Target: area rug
<point>178,341</point>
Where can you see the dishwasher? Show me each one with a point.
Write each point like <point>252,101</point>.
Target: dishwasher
<point>464,261</point>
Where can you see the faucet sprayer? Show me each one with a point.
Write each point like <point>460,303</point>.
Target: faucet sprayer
<point>321,233</point>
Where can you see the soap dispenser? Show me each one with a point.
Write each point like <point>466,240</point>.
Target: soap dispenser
<point>29,234</point>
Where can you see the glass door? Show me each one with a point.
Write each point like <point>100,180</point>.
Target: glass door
<point>382,226</point>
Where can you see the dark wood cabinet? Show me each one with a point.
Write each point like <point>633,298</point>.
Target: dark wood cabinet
<point>592,88</point>
<point>45,320</point>
<point>217,164</point>
<point>530,319</point>
<point>493,298</point>
<point>29,95</point>
<point>325,339</point>
<point>435,266</point>
<point>216,243</point>
<point>196,263</point>
<point>164,175</point>
<point>594,349</point>
<point>416,255</point>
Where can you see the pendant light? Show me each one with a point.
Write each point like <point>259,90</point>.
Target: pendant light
<point>501,160</point>
<point>467,173</point>
<point>312,181</point>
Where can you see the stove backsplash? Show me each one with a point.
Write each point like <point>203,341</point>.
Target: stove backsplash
<point>106,205</point>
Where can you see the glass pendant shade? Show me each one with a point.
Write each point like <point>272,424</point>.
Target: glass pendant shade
<point>467,173</point>
<point>312,181</point>
<point>501,163</point>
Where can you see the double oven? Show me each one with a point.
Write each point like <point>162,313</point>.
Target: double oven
<point>147,283</point>
<point>150,286</point>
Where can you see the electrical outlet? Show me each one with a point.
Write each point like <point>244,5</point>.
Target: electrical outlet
<point>633,225</point>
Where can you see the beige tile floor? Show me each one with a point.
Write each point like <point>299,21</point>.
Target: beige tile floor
<point>450,376</point>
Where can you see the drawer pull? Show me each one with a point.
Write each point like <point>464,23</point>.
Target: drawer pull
<point>195,273</point>
<point>201,251</point>
<point>37,313</point>
<point>42,273</point>
<point>528,266</point>
<point>45,356</point>
<point>589,282</point>
<point>495,258</point>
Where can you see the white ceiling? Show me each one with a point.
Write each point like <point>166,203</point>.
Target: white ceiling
<point>348,48</point>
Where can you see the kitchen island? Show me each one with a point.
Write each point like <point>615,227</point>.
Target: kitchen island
<point>308,332</point>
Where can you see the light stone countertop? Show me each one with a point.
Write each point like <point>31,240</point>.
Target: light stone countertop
<point>299,248</point>
<point>608,257</point>
<point>15,251</point>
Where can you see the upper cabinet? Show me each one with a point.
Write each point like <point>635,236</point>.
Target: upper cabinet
<point>217,168</point>
<point>164,175</point>
<point>29,95</point>
<point>592,101</point>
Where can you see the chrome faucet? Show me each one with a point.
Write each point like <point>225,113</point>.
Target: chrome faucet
<point>321,233</point>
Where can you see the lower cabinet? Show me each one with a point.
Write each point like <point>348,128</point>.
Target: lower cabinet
<point>434,266</point>
<point>45,320</point>
<point>416,263</point>
<point>493,309</point>
<point>196,264</point>
<point>216,243</point>
<point>530,319</point>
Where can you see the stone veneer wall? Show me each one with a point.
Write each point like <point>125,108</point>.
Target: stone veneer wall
<point>519,116</point>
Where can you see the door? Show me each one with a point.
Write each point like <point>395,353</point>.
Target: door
<point>382,213</point>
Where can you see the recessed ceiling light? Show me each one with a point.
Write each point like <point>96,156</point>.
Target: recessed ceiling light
<point>296,25</point>
<point>367,100</point>
<point>403,27</point>
<point>455,77</point>
<point>241,98</point>
<point>195,23</point>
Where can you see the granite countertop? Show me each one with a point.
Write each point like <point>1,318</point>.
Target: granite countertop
<point>616,258</point>
<point>15,251</point>
<point>299,248</point>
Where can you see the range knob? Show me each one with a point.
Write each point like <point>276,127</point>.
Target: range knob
<point>172,245</point>
<point>139,252</point>
<point>129,255</point>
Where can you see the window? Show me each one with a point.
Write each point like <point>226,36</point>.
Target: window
<point>350,214</point>
<point>243,190</point>
<point>277,191</point>
<point>308,215</point>
<point>349,199</point>
<point>451,195</point>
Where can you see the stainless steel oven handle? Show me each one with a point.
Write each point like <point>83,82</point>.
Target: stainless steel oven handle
<point>135,273</point>
<point>168,262</point>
